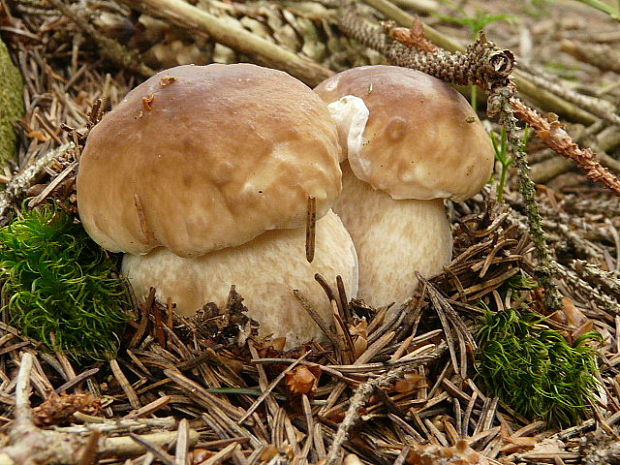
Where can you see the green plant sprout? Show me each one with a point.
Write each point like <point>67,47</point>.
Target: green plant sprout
<point>59,287</point>
<point>476,24</point>
<point>501,154</point>
<point>533,369</point>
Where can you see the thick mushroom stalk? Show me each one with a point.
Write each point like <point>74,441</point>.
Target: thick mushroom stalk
<point>411,141</point>
<point>202,174</point>
<point>394,239</point>
<point>265,271</point>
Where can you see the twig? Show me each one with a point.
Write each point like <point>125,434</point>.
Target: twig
<point>190,18</point>
<point>606,301</point>
<point>363,393</point>
<point>500,104</point>
<point>310,229</point>
<point>154,449</point>
<point>539,95</point>
<point>556,138</point>
<point>20,183</point>
<point>602,56</point>
<point>23,412</point>
<point>596,106</point>
<point>30,444</point>
<point>125,446</point>
<point>481,63</point>
<point>109,48</point>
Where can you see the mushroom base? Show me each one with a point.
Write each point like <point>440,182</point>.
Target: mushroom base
<point>394,239</point>
<point>265,271</point>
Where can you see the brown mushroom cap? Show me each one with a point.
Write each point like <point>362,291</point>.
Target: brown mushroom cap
<point>422,139</point>
<point>199,158</point>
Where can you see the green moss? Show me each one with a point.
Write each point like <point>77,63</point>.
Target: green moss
<point>534,370</point>
<point>11,104</point>
<point>61,288</point>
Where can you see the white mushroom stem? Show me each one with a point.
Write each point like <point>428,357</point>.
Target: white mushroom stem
<point>394,239</point>
<point>265,271</point>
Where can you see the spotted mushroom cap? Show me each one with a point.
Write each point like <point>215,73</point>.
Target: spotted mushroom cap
<point>199,158</point>
<point>418,139</point>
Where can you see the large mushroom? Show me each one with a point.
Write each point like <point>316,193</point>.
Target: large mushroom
<point>411,141</point>
<point>202,176</point>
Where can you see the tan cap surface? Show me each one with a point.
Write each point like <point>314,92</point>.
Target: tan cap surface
<point>265,271</point>
<point>422,139</point>
<point>199,158</point>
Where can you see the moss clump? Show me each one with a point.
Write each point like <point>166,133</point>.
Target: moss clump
<point>61,288</point>
<point>534,370</point>
<point>11,104</point>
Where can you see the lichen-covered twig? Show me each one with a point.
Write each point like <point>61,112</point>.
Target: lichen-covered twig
<point>608,279</point>
<point>610,304</point>
<point>500,105</point>
<point>481,63</point>
<point>539,94</point>
<point>556,138</point>
<point>18,185</point>
<point>596,106</point>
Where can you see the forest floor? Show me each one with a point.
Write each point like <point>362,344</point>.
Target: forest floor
<point>418,386</point>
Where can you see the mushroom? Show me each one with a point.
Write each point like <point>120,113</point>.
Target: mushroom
<point>411,141</point>
<point>202,176</point>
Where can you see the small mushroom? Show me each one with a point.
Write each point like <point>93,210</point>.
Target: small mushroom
<point>202,176</point>
<point>411,141</point>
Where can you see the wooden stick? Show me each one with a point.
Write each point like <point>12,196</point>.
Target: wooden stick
<point>310,229</point>
<point>190,18</point>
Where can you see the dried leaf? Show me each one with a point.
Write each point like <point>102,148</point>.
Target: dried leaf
<point>302,380</point>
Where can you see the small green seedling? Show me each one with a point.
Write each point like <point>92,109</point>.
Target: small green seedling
<point>59,287</point>
<point>534,370</point>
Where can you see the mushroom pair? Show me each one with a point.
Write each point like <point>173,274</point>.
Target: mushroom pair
<point>202,175</point>
<point>411,142</point>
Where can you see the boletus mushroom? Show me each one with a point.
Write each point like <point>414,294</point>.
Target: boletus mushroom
<point>411,142</point>
<point>202,175</point>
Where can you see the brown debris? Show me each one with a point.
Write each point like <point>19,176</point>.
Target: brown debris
<point>167,80</point>
<point>413,37</point>
<point>147,102</point>
<point>59,410</point>
<point>303,380</point>
<point>460,454</point>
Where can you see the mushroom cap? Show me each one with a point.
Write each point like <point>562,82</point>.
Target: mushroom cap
<point>199,158</point>
<point>265,271</point>
<point>422,139</point>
